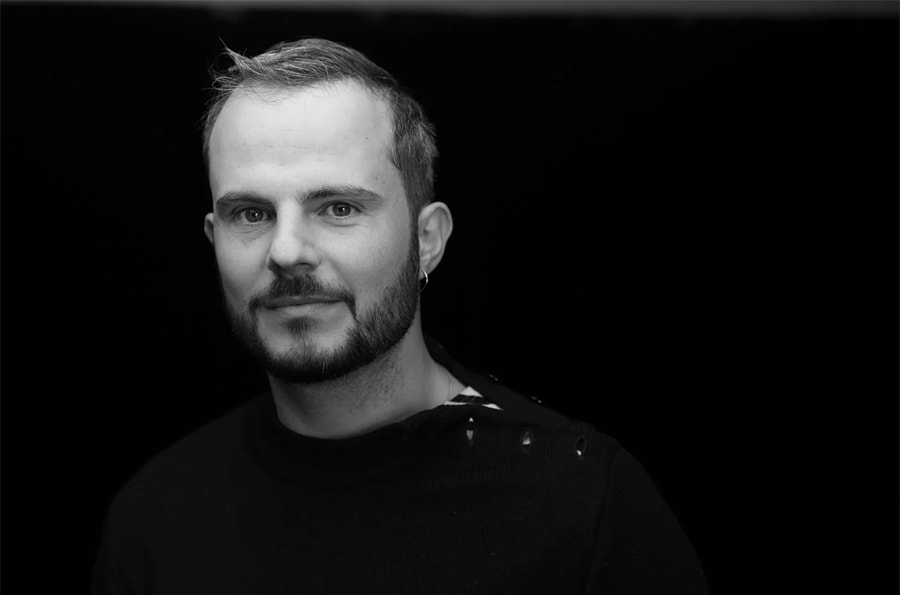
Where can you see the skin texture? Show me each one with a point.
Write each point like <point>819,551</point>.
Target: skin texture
<point>306,202</point>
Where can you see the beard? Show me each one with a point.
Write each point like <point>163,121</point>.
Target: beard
<point>374,333</point>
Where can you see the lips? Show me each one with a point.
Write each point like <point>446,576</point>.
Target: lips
<point>287,302</point>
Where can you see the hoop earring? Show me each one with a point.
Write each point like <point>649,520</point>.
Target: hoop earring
<point>423,283</point>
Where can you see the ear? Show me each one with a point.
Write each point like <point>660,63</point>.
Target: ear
<point>208,228</point>
<point>435,227</point>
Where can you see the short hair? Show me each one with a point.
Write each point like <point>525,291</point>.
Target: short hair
<point>310,61</point>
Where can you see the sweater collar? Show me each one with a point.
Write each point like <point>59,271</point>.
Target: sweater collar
<point>296,458</point>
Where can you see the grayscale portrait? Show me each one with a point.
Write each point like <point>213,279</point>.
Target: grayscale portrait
<point>453,297</point>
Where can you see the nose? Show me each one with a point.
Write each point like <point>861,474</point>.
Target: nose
<point>293,248</point>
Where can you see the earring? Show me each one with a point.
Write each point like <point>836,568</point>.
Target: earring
<point>423,283</point>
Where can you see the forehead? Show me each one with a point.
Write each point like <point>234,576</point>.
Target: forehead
<point>332,119</point>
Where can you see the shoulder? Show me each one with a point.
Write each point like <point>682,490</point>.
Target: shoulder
<point>574,436</point>
<point>567,444</point>
<point>570,447</point>
<point>517,407</point>
<point>196,459</point>
<point>174,493</point>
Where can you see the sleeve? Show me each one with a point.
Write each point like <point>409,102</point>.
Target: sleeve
<point>641,547</point>
<point>119,566</point>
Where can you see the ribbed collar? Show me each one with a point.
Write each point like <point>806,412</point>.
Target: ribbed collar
<point>437,435</point>
<point>300,459</point>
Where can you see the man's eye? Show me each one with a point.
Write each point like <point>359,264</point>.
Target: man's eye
<point>340,210</point>
<point>250,215</point>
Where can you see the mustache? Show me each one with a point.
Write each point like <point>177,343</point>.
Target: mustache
<point>300,287</point>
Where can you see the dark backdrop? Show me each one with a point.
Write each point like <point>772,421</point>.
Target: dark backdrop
<point>654,214</point>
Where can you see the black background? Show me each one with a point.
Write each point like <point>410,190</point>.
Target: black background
<point>662,217</point>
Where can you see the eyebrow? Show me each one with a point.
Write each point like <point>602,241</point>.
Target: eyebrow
<point>348,190</point>
<point>320,193</point>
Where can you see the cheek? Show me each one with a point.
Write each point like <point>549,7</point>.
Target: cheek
<point>378,267</point>
<point>239,267</point>
<point>374,269</point>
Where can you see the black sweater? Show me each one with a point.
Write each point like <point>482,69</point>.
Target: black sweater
<point>458,499</point>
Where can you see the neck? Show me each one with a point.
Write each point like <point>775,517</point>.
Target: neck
<point>401,382</point>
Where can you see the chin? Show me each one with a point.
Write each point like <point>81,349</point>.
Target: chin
<point>312,360</point>
<point>303,336</point>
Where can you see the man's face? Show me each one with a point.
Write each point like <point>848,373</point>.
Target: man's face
<point>311,229</point>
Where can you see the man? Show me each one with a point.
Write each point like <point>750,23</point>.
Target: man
<point>376,464</point>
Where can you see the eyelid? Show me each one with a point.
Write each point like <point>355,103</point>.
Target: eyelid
<point>342,202</point>
<point>235,213</point>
